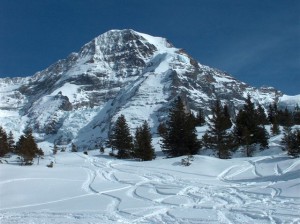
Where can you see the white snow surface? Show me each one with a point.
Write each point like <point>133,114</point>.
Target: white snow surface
<point>290,101</point>
<point>96,188</point>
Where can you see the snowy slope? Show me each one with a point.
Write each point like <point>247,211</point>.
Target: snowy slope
<point>119,72</point>
<point>289,101</point>
<point>98,189</point>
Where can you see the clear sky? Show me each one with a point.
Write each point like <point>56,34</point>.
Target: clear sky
<point>256,41</point>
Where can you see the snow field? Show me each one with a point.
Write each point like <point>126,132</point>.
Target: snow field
<point>98,189</point>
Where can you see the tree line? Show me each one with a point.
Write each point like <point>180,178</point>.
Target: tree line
<point>138,146</point>
<point>226,133</point>
<point>26,147</point>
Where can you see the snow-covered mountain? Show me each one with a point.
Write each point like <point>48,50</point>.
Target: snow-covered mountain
<point>119,72</point>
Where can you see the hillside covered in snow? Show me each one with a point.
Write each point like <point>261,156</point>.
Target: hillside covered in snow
<point>97,188</point>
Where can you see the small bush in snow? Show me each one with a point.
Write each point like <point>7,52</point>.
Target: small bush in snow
<point>50,165</point>
<point>187,161</point>
<point>102,150</point>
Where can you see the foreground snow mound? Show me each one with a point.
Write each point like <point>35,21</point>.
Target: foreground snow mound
<point>97,189</point>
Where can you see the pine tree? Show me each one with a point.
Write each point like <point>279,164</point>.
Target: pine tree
<point>192,143</point>
<point>143,148</point>
<point>200,119</point>
<point>74,148</point>
<point>272,112</point>
<point>27,148</point>
<point>275,127</point>
<point>287,133</point>
<point>55,149</point>
<point>296,115</point>
<point>11,142</point>
<point>162,129</point>
<point>217,136</point>
<point>248,131</point>
<point>227,118</point>
<point>39,154</point>
<point>4,147</point>
<point>121,138</point>
<point>261,115</point>
<point>22,149</point>
<point>137,143</point>
<point>291,139</point>
<point>180,137</point>
<point>273,118</point>
<point>285,117</point>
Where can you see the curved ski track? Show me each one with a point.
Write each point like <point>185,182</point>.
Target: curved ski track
<point>165,193</point>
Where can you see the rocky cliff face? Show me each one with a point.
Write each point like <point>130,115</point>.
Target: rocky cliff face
<point>119,72</point>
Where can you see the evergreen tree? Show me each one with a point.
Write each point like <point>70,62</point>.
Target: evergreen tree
<point>27,148</point>
<point>143,148</point>
<point>261,115</point>
<point>39,154</point>
<point>191,118</point>
<point>31,141</point>
<point>190,133</point>
<point>291,139</point>
<point>21,148</point>
<point>273,118</point>
<point>73,148</point>
<point>11,142</point>
<point>137,143</point>
<point>207,140</point>
<point>287,133</point>
<point>200,119</point>
<point>275,127</point>
<point>272,112</point>
<point>227,118</point>
<point>285,117</point>
<point>121,138</point>
<point>55,149</point>
<point>217,136</point>
<point>180,137</point>
<point>4,147</point>
<point>162,129</point>
<point>248,130</point>
<point>296,115</point>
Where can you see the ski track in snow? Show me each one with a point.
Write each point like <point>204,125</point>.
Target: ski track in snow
<point>166,196</point>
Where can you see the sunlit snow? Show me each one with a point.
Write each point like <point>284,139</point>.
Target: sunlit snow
<point>96,188</point>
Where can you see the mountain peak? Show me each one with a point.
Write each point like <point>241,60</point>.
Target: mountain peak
<point>114,42</point>
<point>131,35</point>
<point>123,51</point>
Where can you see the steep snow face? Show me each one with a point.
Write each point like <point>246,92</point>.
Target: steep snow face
<point>118,72</point>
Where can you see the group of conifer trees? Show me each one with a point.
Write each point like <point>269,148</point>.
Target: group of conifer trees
<point>226,133</point>
<point>247,131</point>
<point>286,118</point>
<point>26,147</point>
<point>139,146</point>
<point>178,133</point>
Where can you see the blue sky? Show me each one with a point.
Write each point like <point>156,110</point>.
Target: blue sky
<point>256,41</point>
